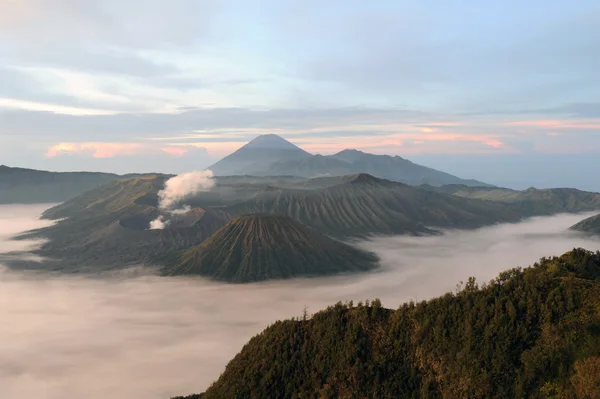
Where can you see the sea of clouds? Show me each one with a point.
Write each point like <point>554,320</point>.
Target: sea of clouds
<point>135,336</point>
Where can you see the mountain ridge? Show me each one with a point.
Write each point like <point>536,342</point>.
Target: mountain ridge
<point>261,247</point>
<point>529,332</point>
<point>259,157</point>
<point>590,225</point>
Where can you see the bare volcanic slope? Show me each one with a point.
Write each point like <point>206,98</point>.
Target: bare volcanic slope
<point>263,247</point>
<point>109,226</point>
<point>590,225</point>
<point>361,205</point>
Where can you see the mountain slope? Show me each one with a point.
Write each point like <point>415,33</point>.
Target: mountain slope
<point>354,161</point>
<point>18,185</point>
<point>313,166</point>
<point>109,226</point>
<point>264,247</point>
<point>361,205</point>
<point>590,225</point>
<point>258,155</point>
<point>271,155</point>
<point>533,201</point>
<point>399,169</point>
<point>530,333</point>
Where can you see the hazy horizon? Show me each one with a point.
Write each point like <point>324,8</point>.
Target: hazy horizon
<point>107,85</point>
<point>133,336</point>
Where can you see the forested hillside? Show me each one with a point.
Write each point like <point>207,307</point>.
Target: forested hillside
<point>531,332</point>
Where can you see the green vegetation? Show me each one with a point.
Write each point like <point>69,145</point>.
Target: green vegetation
<point>263,247</point>
<point>28,186</point>
<point>531,332</point>
<point>590,225</point>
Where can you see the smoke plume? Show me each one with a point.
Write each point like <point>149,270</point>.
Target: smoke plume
<point>158,223</point>
<point>178,188</point>
<point>183,186</point>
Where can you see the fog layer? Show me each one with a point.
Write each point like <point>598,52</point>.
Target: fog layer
<point>151,337</point>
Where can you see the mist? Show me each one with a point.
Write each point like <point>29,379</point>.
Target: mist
<point>142,336</point>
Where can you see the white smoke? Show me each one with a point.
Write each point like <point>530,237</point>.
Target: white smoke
<point>178,188</point>
<point>183,186</point>
<point>181,211</point>
<point>158,223</point>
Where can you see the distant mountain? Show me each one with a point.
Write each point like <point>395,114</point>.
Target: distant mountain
<point>271,155</point>
<point>263,247</point>
<point>590,225</point>
<point>26,186</point>
<point>532,201</point>
<point>258,155</point>
<point>529,333</point>
<point>399,169</point>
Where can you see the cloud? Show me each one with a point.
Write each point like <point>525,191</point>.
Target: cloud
<point>97,150</point>
<point>133,335</point>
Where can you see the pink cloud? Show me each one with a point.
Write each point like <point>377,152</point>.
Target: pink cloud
<point>175,151</point>
<point>111,150</point>
<point>494,143</point>
<point>96,149</point>
<point>585,124</point>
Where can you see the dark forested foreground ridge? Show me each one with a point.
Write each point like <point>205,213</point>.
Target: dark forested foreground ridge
<point>531,332</point>
<point>263,247</point>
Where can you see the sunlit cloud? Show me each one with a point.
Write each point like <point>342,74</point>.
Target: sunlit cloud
<point>585,124</point>
<point>112,150</point>
<point>58,109</point>
<point>96,150</point>
<point>175,151</point>
<point>494,143</point>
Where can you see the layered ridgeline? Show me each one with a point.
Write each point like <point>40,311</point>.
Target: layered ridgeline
<point>590,225</point>
<point>264,247</point>
<point>531,332</point>
<point>532,201</point>
<point>25,186</point>
<point>110,225</point>
<point>360,205</point>
<point>272,155</point>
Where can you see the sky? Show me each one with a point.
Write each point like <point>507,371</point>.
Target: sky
<point>505,92</point>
